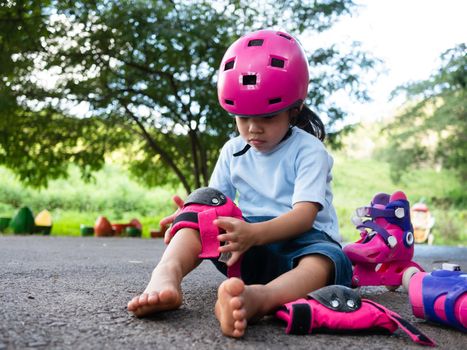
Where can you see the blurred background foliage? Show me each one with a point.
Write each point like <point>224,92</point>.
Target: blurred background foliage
<point>109,107</point>
<point>141,76</point>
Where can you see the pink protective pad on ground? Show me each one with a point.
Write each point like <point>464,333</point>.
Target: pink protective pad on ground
<point>339,309</point>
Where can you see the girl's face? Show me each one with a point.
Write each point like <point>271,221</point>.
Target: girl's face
<point>263,133</point>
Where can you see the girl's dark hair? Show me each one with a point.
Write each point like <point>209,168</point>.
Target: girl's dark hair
<point>310,122</point>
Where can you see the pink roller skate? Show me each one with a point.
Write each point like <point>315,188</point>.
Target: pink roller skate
<point>383,256</point>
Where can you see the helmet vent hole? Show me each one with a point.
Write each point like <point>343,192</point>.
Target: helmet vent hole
<point>229,102</point>
<point>275,100</point>
<point>285,36</point>
<point>277,62</point>
<point>229,65</point>
<point>256,42</point>
<point>249,79</point>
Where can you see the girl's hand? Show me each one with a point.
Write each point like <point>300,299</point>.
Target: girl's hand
<point>168,220</point>
<point>239,236</point>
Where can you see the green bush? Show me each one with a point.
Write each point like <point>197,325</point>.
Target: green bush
<point>114,195</point>
<point>73,202</point>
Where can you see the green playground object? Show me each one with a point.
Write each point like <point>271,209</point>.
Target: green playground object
<point>86,231</point>
<point>4,223</point>
<point>132,231</point>
<point>23,221</point>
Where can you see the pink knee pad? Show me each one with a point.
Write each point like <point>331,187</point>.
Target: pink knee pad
<point>340,309</point>
<point>201,208</point>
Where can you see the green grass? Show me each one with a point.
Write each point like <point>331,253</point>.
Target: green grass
<point>68,222</point>
<point>118,197</point>
<point>73,202</point>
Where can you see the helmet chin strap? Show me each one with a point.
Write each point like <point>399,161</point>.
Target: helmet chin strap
<point>243,151</point>
<point>247,146</point>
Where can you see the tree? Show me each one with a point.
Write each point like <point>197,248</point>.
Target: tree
<point>432,130</point>
<point>146,71</point>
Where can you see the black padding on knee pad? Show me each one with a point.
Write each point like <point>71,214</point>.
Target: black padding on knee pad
<point>338,298</point>
<point>207,196</point>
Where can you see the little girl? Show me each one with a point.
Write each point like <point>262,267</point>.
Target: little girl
<point>281,172</point>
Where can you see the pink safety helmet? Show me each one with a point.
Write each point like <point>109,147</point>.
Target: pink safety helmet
<point>263,73</point>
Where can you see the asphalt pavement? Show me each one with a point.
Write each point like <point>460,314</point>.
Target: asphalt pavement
<point>71,293</point>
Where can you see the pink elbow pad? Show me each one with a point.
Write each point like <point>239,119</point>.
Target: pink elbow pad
<point>201,208</point>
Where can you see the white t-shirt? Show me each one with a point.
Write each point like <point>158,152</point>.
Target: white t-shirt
<point>269,184</point>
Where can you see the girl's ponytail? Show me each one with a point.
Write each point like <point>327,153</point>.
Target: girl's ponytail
<point>310,122</point>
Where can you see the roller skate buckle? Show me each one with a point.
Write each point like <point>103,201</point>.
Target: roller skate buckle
<point>450,267</point>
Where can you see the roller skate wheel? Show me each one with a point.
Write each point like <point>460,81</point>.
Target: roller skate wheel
<point>407,275</point>
<point>399,213</point>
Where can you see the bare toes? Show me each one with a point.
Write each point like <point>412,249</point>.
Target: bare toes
<point>230,308</point>
<point>239,314</point>
<point>153,298</point>
<point>153,302</point>
<point>143,299</point>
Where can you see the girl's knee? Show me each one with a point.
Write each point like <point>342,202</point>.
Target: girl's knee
<point>318,264</point>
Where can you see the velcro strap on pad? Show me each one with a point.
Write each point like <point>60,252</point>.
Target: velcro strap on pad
<point>187,216</point>
<point>300,322</point>
<point>209,240</point>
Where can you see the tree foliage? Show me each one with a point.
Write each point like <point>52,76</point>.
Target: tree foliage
<point>145,71</point>
<point>432,130</point>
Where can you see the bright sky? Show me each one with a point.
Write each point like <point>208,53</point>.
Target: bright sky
<point>408,35</point>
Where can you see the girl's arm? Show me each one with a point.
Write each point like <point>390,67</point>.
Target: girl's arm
<point>242,235</point>
<point>289,225</point>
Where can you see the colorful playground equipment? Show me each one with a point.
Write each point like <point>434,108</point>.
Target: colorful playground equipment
<point>4,223</point>
<point>23,222</point>
<point>422,221</point>
<point>43,222</point>
<point>103,228</point>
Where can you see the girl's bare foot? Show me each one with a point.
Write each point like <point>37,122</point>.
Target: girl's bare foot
<point>162,293</point>
<point>236,304</point>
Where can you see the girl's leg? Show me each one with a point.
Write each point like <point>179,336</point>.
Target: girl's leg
<point>163,291</point>
<point>238,303</point>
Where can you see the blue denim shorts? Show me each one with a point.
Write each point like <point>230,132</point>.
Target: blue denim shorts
<point>262,264</point>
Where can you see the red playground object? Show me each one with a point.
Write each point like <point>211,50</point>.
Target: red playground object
<point>103,228</point>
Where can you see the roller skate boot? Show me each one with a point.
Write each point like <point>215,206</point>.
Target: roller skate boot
<point>440,297</point>
<point>383,255</point>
